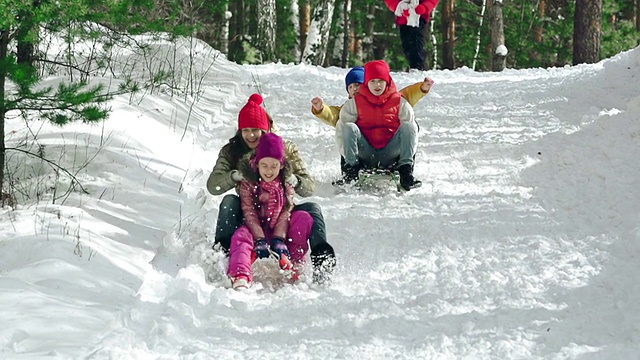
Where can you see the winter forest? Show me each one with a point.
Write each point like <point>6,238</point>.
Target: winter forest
<point>461,33</point>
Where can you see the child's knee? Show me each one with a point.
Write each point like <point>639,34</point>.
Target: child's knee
<point>301,217</point>
<point>350,129</point>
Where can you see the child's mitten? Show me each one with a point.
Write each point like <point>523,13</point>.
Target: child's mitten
<point>279,247</point>
<point>262,248</point>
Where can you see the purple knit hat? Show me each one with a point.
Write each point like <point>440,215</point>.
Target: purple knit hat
<point>271,145</point>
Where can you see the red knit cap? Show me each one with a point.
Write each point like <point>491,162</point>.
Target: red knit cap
<point>253,115</point>
<point>377,69</point>
<point>271,145</point>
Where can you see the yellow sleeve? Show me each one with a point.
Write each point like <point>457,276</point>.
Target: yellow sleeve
<point>413,93</point>
<point>328,115</point>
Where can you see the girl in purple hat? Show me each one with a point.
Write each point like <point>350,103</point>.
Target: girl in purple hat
<point>269,223</point>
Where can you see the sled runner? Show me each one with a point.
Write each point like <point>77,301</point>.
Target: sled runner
<point>375,181</point>
<point>378,180</point>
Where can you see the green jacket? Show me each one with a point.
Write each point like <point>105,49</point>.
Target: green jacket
<point>229,159</point>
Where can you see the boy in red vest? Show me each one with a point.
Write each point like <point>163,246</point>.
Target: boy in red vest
<point>377,128</point>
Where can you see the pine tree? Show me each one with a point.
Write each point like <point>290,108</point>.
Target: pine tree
<point>21,72</point>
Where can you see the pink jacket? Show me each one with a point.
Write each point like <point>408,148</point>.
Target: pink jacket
<point>266,209</point>
<point>429,5</point>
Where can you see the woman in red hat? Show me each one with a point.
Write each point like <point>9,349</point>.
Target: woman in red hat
<point>253,123</point>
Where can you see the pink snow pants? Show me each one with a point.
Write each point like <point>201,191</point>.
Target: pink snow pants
<point>241,249</point>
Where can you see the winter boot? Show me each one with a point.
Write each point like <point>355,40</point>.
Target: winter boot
<point>407,181</point>
<point>241,282</point>
<point>323,258</point>
<point>351,173</point>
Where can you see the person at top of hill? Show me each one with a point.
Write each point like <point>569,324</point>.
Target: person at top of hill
<point>253,122</point>
<point>266,199</point>
<point>412,17</point>
<point>330,114</point>
<point>377,128</point>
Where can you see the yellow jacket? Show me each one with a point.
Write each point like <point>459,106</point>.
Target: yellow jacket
<point>331,114</point>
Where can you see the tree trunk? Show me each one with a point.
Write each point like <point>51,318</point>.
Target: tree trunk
<point>638,15</point>
<point>4,45</point>
<point>448,34</point>
<point>25,48</point>
<point>266,35</point>
<point>238,29</point>
<point>346,42</point>
<point>367,38</point>
<point>305,24</point>
<point>318,38</point>
<point>538,28</point>
<point>587,31</point>
<point>295,22</point>
<point>499,55</point>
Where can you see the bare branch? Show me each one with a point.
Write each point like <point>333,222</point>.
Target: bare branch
<point>51,163</point>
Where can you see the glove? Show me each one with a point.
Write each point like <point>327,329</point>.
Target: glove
<point>421,9</point>
<point>279,247</point>
<point>262,248</point>
<point>401,21</point>
<point>402,6</point>
<point>292,180</point>
<point>236,176</point>
<point>316,102</point>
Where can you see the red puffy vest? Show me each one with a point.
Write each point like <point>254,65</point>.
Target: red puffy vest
<point>378,118</point>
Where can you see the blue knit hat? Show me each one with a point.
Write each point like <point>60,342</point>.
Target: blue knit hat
<point>355,75</point>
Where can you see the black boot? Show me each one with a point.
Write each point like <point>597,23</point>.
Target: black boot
<point>323,259</point>
<point>407,181</point>
<point>351,173</point>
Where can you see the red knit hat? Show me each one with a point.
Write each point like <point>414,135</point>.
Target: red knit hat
<point>253,115</point>
<point>377,69</point>
<point>271,145</point>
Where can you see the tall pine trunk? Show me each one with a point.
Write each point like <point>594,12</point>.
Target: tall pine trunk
<point>305,24</point>
<point>587,31</point>
<point>638,15</point>
<point>238,29</point>
<point>365,49</point>
<point>538,29</point>
<point>4,45</point>
<point>448,34</point>
<point>498,59</point>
